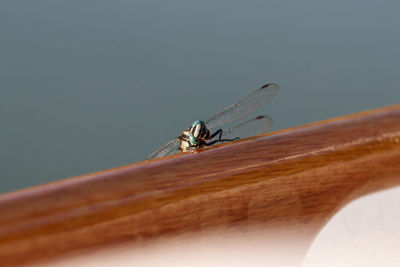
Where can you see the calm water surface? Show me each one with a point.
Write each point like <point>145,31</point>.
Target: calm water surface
<point>91,85</point>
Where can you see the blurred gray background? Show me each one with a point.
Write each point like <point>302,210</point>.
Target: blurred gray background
<point>90,85</point>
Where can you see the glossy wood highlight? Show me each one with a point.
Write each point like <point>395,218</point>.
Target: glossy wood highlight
<point>287,183</point>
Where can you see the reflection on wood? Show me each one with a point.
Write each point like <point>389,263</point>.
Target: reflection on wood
<point>287,183</point>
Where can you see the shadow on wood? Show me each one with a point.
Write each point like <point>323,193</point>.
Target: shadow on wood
<point>285,185</point>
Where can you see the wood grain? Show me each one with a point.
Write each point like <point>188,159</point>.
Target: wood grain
<point>288,183</point>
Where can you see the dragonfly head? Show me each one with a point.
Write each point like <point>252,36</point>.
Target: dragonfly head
<point>198,133</point>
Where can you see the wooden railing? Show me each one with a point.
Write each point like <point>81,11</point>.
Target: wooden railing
<point>286,183</point>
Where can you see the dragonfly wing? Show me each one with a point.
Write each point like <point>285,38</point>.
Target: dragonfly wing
<point>244,107</point>
<point>255,126</point>
<point>168,148</point>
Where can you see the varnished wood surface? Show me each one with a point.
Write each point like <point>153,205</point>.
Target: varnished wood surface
<point>288,182</point>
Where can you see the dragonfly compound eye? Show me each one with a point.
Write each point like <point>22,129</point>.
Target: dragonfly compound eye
<point>198,132</point>
<point>193,140</point>
<point>197,123</point>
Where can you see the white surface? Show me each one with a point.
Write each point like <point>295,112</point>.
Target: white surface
<point>365,233</point>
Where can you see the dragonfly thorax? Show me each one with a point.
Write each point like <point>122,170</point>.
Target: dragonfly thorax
<point>198,133</point>
<point>195,136</point>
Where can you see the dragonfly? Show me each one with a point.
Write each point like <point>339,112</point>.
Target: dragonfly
<point>199,133</point>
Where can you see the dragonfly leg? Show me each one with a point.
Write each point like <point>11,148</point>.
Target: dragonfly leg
<point>219,133</point>
<point>221,140</point>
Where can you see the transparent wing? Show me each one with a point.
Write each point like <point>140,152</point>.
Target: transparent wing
<point>168,148</point>
<point>244,107</point>
<point>255,126</point>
